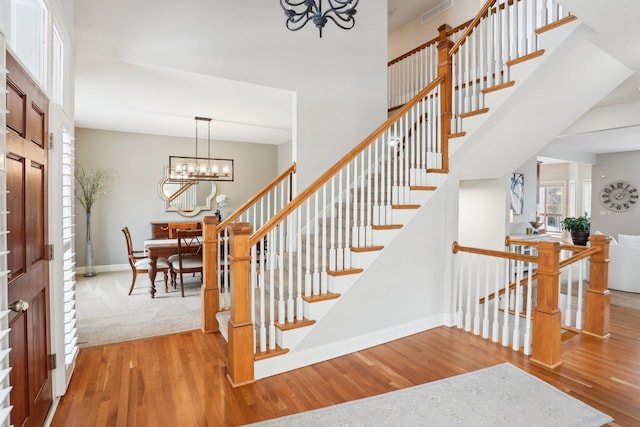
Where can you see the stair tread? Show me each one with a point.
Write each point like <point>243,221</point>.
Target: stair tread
<point>317,298</point>
<point>344,272</point>
<point>261,355</point>
<point>367,248</point>
<point>295,324</point>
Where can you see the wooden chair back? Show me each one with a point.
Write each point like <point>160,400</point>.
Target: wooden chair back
<point>173,226</point>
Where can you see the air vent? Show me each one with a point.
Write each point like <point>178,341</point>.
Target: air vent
<point>430,14</point>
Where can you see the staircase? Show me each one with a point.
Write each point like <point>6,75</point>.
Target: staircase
<point>363,255</point>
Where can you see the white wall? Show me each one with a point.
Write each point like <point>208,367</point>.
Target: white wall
<point>610,168</point>
<point>483,213</point>
<point>139,161</point>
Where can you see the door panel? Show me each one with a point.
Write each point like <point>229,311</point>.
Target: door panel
<point>27,239</point>
<point>16,178</point>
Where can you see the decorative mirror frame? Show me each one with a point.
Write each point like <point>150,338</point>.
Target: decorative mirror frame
<point>172,199</point>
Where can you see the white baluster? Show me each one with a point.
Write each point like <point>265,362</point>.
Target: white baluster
<point>579,309</point>
<point>340,249</point>
<point>324,248</point>
<point>485,308</point>
<point>280,259</point>
<point>290,288</point>
<point>568,315</point>
<point>362,236</point>
<point>467,322</point>
<point>509,267</point>
<point>347,219</point>
<point>476,299</point>
<point>271,254</point>
<point>299,285</point>
<point>459,316</point>
<point>253,278</point>
<point>495,331</point>
<point>375,220</point>
<point>316,247</point>
<point>528,314</point>
<point>308,278</point>
<point>369,203</point>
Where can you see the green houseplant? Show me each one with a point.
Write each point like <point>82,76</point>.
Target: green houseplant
<point>579,227</point>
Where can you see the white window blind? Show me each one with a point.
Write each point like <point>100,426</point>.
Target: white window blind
<point>69,255</point>
<point>5,387</point>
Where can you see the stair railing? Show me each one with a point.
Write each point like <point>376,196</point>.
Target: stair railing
<point>255,211</point>
<point>500,297</point>
<point>501,34</point>
<point>314,236</point>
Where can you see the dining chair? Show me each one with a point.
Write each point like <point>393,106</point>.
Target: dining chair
<point>189,259</point>
<point>140,263</point>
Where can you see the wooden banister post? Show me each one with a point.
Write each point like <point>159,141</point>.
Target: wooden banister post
<point>445,68</point>
<point>210,294</point>
<point>598,299</point>
<point>547,317</point>
<point>240,369</point>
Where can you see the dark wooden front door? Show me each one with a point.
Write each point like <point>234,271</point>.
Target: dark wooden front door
<point>26,166</point>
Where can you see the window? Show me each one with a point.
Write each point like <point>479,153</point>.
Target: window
<point>586,196</point>
<point>27,36</point>
<point>551,206</point>
<point>57,67</point>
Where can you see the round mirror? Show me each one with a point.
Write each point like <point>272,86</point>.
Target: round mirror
<point>188,198</point>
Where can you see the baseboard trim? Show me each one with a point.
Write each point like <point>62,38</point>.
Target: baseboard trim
<point>298,359</point>
<point>105,268</point>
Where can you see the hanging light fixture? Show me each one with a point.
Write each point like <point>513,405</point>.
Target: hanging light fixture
<point>198,168</point>
<point>299,12</point>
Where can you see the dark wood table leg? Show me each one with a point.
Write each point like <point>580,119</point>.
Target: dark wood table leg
<point>152,275</point>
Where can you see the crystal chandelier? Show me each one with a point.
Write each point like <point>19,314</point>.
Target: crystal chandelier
<point>299,12</point>
<point>198,168</point>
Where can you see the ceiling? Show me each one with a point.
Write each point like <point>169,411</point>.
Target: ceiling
<point>134,75</point>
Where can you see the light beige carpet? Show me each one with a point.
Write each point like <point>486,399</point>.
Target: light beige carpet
<point>106,314</point>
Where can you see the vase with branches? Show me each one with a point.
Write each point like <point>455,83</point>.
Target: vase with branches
<point>92,184</point>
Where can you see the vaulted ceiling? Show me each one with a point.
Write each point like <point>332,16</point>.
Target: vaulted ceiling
<point>150,67</point>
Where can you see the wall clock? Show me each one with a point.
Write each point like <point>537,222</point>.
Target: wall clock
<point>619,196</point>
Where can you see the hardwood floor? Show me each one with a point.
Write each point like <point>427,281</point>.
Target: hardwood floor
<point>179,379</point>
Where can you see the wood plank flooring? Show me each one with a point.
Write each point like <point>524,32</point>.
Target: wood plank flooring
<point>179,379</point>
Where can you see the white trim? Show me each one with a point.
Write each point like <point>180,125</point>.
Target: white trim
<point>297,359</point>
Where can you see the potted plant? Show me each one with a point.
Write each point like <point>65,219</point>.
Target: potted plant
<point>91,185</point>
<point>579,227</point>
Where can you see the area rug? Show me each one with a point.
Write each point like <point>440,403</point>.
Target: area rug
<point>106,314</point>
<point>501,395</point>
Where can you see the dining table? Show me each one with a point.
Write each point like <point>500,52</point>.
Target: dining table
<point>158,248</point>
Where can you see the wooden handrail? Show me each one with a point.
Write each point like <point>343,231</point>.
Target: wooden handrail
<point>412,51</point>
<point>498,254</point>
<point>246,205</point>
<point>577,257</point>
<point>474,23</point>
<point>325,177</point>
<point>427,44</point>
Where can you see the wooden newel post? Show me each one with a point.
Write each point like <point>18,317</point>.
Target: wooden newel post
<point>547,317</point>
<point>210,293</point>
<point>240,369</point>
<point>598,299</point>
<point>445,68</point>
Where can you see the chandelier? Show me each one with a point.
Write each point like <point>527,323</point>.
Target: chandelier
<point>299,12</point>
<point>182,168</point>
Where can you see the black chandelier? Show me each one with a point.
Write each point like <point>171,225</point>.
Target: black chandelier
<point>299,12</point>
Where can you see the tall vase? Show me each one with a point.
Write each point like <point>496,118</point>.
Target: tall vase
<point>89,268</point>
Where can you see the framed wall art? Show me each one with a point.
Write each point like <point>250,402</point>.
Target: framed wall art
<point>517,193</point>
